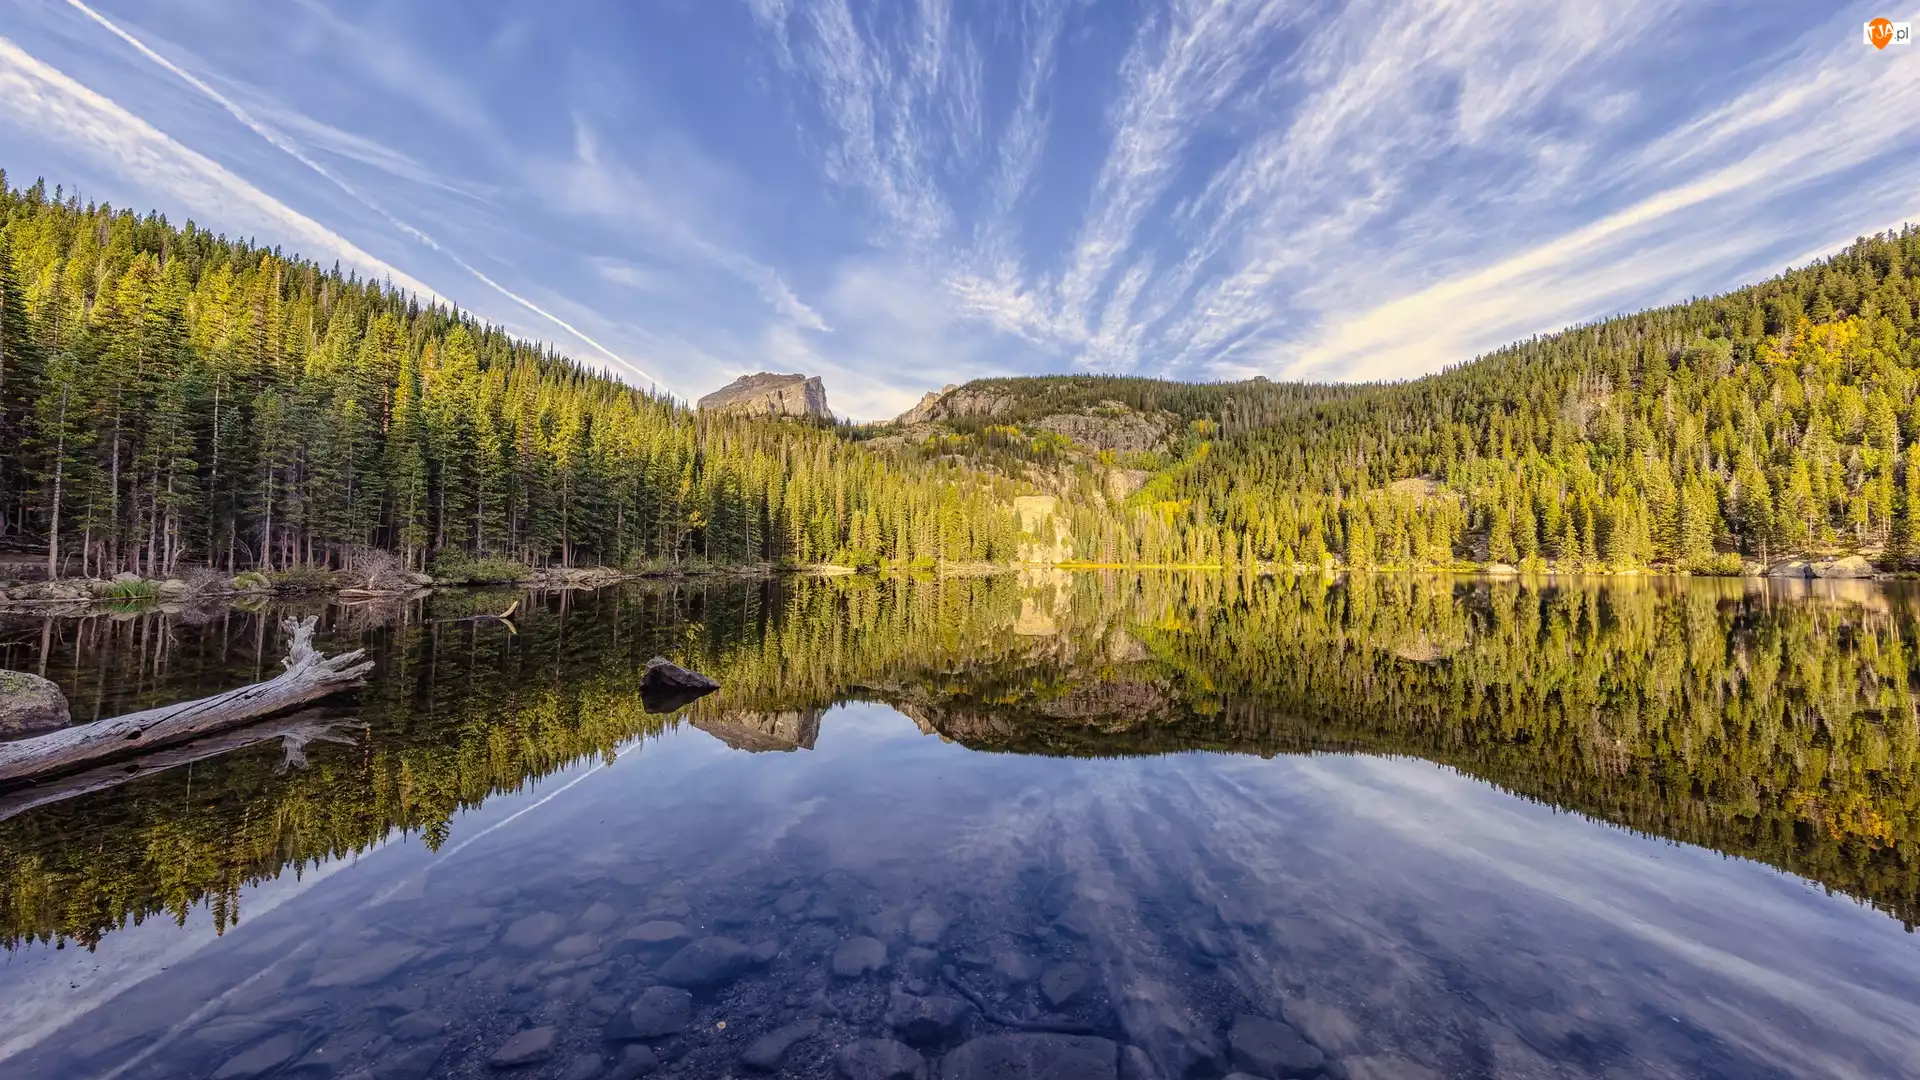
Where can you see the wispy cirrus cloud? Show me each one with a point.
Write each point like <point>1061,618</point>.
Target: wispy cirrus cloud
<point>1328,189</point>
<point>95,125</point>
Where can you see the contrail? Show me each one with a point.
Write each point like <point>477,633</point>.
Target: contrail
<point>293,150</point>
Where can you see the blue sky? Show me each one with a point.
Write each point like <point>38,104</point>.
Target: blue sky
<point>897,194</point>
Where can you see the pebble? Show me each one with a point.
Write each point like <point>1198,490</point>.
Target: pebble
<point>927,1021</point>
<point>793,903</point>
<point>1061,985</point>
<point>1385,1067</point>
<point>416,1026</point>
<point>1032,1056</point>
<point>599,916</point>
<point>858,956</point>
<point>926,926</point>
<point>530,932</point>
<point>1017,969</point>
<point>765,1052</point>
<point>414,1064</point>
<point>706,963</point>
<point>261,1059</point>
<point>577,946</point>
<point>472,918</point>
<point>657,934</point>
<point>583,1067</point>
<point>636,1062</point>
<point>366,968</point>
<point>659,1011</point>
<point>920,963</point>
<point>879,1059</point>
<point>526,1047</point>
<point>1270,1048</point>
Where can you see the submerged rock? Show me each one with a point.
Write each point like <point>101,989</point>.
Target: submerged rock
<point>927,1021</point>
<point>530,932</point>
<point>765,1052</point>
<point>1061,985</point>
<point>29,704</point>
<point>261,1059</point>
<point>1270,1048</point>
<point>1032,1056</point>
<point>638,1061</point>
<point>526,1047</point>
<point>707,963</point>
<point>879,1059</point>
<point>858,956</point>
<point>374,965</point>
<point>658,1012</point>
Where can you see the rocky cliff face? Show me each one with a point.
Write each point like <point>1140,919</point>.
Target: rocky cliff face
<point>923,412</point>
<point>768,394</point>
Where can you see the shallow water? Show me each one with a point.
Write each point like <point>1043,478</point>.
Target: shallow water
<point>1186,824</point>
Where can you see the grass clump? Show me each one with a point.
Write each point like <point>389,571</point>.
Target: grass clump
<point>460,568</point>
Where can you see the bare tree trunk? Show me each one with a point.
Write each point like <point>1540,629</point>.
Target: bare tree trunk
<point>308,677</point>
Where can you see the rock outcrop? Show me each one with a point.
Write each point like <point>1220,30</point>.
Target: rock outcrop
<point>768,394</point>
<point>30,704</point>
<point>1043,531</point>
<point>924,411</point>
<point>1118,429</point>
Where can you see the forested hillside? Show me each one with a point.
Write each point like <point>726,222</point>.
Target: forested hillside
<point>169,397</point>
<point>1781,418</point>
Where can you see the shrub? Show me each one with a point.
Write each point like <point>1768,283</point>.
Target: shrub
<point>201,580</point>
<point>376,568</point>
<point>303,579</point>
<point>1724,564</point>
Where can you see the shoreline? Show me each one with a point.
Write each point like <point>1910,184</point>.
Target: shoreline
<point>85,596</point>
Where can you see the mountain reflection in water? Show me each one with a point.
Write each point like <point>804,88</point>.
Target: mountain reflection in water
<point>1366,913</point>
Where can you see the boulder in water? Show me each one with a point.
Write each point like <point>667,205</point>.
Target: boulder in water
<point>666,686</point>
<point>29,703</point>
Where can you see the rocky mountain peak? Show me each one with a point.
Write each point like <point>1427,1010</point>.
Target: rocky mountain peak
<point>770,394</point>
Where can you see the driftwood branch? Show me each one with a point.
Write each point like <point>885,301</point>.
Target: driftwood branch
<point>295,732</point>
<point>309,676</point>
<point>505,618</point>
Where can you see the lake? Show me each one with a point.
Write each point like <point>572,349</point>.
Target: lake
<point>1091,825</point>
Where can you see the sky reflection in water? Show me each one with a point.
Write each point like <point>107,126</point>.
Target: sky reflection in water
<point>1400,915</point>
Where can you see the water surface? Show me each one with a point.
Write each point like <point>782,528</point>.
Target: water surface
<point>1165,826</point>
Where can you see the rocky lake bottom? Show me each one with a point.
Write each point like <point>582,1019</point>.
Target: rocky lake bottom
<point>852,892</point>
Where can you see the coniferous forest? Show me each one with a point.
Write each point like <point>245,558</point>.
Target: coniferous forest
<point>170,397</point>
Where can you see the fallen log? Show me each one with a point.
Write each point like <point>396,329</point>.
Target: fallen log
<point>309,676</point>
<point>294,732</point>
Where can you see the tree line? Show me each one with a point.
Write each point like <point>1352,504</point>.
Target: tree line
<point>170,397</point>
